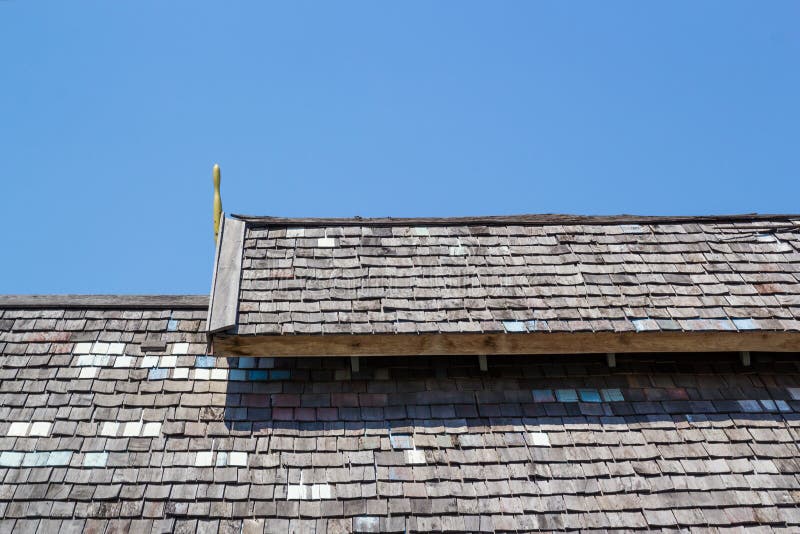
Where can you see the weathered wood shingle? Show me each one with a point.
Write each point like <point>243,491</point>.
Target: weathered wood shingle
<point>526,275</point>
<point>98,435</point>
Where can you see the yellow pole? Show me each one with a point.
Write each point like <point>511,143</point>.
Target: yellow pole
<point>217,202</point>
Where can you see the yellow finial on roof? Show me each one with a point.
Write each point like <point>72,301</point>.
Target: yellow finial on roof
<point>217,202</point>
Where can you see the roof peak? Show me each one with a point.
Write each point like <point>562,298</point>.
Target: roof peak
<point>501,220</point>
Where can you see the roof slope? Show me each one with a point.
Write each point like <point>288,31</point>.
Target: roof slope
<point>116,420</point>
<point>520,274</point>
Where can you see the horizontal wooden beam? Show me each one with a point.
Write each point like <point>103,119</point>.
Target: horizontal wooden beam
<point>122,302</point>
<point>489,344</point>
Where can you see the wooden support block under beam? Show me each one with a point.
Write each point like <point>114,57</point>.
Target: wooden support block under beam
<point>354,364</point>
<point>745,357</point>
<point>483,363</point>
<point>611,359</point>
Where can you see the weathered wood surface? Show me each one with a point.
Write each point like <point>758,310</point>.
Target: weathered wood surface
<point>224,306</point>
<point>154,346</point>
<point>105,301</point>
<point>478,344</point>
<point>220,233</point>
<point>501,220</point>
<point>477,278</point>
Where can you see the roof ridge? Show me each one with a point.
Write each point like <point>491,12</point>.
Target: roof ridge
<point>520,219</point>
<point>105,301</point>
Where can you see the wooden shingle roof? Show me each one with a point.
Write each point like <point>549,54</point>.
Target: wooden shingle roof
<point>528,274</point>
<point>105,430</point>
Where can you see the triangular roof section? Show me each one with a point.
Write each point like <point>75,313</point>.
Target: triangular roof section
<point>524,284</point>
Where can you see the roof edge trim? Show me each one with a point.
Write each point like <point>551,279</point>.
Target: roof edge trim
<point>217,242</point>
<point>126,302</point>
<point>502,220</point>
<point>223,312</point>
<point>495,344</point>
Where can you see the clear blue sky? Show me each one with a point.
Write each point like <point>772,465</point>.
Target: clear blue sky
<point>112,114</point>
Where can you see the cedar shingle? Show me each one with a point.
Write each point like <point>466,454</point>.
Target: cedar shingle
<point>409,441</point>
<point>593,257</point>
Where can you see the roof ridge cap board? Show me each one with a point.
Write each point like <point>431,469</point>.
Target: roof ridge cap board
<point>105,301</point>
<point>223,309</point>
<point>519,219</point>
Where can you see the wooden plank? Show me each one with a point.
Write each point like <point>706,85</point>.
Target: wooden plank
<point>224,308</point>
<point>502,220</point>
<point>122,302</point>
<point>220,233</point>
<point>477,344</point>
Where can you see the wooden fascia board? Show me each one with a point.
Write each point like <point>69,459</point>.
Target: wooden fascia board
<point>220,233</point>
<point>223,309</point>
<point>104,302</point>
<point>508,344</point>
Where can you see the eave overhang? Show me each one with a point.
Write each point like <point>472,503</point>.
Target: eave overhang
<point>505,344</point>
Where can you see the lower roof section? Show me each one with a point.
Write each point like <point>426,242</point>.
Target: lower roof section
<point>100,434</point>
<point>507,344</point>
